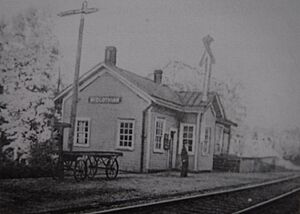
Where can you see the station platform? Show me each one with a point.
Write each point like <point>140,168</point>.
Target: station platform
<point>45,195</point>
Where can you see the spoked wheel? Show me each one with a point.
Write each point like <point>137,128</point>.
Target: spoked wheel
<point>79,170</point>
<point>112,169</point>
<point>92,165</point>
<point>68,164</point>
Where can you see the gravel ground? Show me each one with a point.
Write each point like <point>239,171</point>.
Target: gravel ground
<point>35,195</point>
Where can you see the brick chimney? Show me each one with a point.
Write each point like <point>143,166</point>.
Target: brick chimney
<point>158,76</point>
<point>110,55</point>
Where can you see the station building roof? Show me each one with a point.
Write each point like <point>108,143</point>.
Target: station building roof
<point>159,92</point>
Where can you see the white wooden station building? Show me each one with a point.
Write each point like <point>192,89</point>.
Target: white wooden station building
<point>144,119</point>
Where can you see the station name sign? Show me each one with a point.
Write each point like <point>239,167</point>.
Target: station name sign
<point>105,100</point>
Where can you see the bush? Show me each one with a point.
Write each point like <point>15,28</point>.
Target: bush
<point>14,169</point>
<point>296,160</point>
<point>40,155</point>
<point>38,164</point>
<point>17,170</point>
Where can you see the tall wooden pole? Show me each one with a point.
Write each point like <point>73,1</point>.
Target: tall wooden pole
<point>84,10</point>
<point>75,86</point>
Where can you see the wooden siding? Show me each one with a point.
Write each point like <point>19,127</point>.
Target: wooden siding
<point>104,117</point>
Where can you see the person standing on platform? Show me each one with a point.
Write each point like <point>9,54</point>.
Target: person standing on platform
<point>184,161</point>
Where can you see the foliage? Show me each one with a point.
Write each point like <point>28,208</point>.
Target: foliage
<point>181,76</point>
<point>289,143</point>
<point>28,66</point>
<point>37,165</point>
<point>13,169</point>
<point>272,142</point>
<point>40,155</point>
<point>230,94</point>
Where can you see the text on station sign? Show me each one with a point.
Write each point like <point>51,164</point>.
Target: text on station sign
<point>104,99</point>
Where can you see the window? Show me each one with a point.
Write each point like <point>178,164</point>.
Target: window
<point>159,131</point>
<point>82,132</point>
<point>207,140</point>
<point>187,137</point>
<point>125,134</point>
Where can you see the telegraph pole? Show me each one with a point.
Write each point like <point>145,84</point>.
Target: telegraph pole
<point>84,10</point>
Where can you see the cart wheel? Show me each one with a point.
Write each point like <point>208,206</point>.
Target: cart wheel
<point>55,168</point>
<point>92,165</point>
<point>112,169</point>
<point>79,170</point>
<point>68,164</point>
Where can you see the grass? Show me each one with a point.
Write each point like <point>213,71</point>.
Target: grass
<point>36,195</point>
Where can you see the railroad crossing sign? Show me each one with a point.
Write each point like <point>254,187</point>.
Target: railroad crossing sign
<point>207,60</point>
<point>207,40</point>
<point>84,10</point>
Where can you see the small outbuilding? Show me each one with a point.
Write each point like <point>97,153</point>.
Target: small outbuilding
<point>256,154</point>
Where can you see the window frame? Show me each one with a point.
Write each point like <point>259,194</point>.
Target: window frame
<point>161,149</point>
<point>86,119</point>
<point>126,120</point>
<point>207,152</point>
<point>182,125</point>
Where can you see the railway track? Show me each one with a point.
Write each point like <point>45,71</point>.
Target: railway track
<point>287,203</point>
<point>249,199</point>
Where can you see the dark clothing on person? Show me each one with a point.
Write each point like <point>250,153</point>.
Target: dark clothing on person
<point>184,162</point>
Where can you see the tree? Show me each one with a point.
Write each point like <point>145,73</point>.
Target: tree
<point>289,143</point>
<point>28,66</point>
<point>230,94</point>
<point>180,76</point>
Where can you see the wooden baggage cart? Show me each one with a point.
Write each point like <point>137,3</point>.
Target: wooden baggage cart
<point>86,164</point>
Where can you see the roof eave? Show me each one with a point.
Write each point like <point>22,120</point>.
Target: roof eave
<point>227,122</point>
<point>64,92</point>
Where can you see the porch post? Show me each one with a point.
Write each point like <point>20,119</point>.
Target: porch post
<point>148,138</point>
<point>229,139</point>
<point>197,142</point>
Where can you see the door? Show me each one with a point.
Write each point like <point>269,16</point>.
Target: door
<point>173,148</point>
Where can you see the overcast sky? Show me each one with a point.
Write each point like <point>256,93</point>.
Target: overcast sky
<point>256,42</point>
